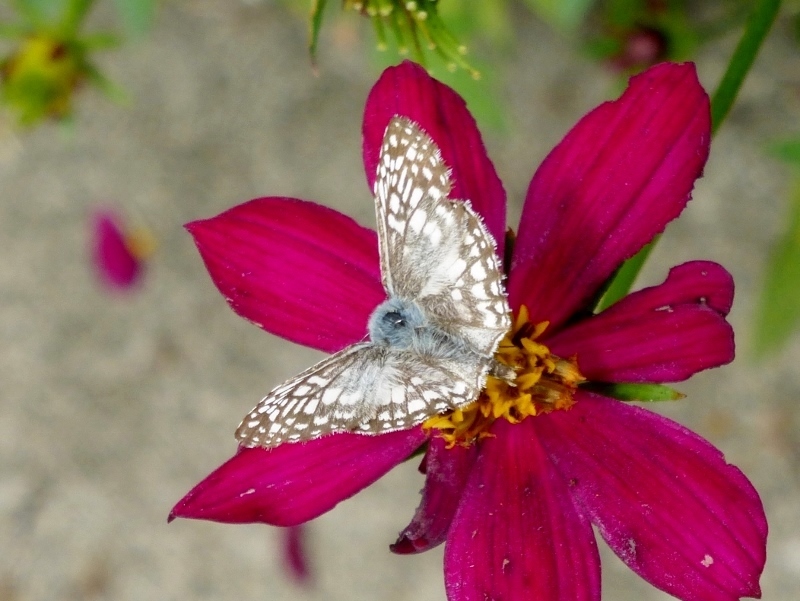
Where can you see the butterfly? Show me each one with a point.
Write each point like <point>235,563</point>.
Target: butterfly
<point>431,342</point>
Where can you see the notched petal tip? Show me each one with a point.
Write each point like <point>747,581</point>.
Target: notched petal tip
<point>446,472</point>
<point>405,545</point>
<point>664,333</point>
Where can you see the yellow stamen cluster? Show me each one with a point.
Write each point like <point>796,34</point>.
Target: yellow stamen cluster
<point>543,383</point>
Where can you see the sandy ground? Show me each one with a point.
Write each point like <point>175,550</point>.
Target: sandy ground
<point>113,408</point>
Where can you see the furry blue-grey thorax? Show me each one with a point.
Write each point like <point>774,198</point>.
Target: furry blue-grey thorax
<point>401,325</point>
<point>394,323</point>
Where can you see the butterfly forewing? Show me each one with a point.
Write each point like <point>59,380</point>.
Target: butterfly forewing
<point>410,171</point>
<point>436,251</point>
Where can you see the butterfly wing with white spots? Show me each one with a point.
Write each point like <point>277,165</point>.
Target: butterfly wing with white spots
<point>433,250</point>
<point>364,388</point>
<point>433,339</point>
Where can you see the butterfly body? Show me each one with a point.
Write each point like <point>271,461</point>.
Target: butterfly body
<point>402,325</point>
<point>432,341</point>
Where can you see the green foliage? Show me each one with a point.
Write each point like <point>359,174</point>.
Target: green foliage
<point>758,25</point>
<point>39,78</point>
<point>634,391</point>
<point>622,281</point>
<point>635,34</point>
<point>787,150</point>
<point>561,15</point>
<point>137,16</point>
<point>778,313</point>
<point>38,12</point>
<point>51,59</point>
<point>414,28</point>
<point>477,23</point>
<point>315,25</point>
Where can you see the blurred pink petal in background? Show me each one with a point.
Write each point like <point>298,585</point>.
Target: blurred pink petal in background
<point>118,253</point>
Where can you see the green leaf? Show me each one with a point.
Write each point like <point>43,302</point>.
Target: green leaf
<point>75,12</point>
<point>622,281</point>
<point>137,16</point>
<point>634,391</point>
<point>14,31</point>
<point>623,14</point>
<point>490,21</point>
<point>111,90</point>
<point>316,24</point>
<point>786,150</point>
<point>39,12</point>
<point>756,30</point>
<point>100,41</point>
<point>778,311</point>
<point>563,15</point>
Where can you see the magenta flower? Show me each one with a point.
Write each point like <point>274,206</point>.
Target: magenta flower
<point>537,464</point>
<point>116,255</point>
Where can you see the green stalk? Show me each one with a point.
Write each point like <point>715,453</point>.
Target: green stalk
<point>317,10</point>
<point>74,14</point>
<point>756,29</point>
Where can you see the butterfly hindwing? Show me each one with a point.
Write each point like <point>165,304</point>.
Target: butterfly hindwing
<point>364,388</point>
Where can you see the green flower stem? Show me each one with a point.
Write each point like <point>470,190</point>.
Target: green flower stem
<point>758,25</point>
<point>756,30</point>
<point>317,10</point>
<point>74,13</point>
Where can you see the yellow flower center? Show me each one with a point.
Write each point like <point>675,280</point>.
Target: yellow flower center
<point>543,383</point>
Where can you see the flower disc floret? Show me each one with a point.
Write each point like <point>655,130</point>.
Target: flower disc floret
<point>544,382</point>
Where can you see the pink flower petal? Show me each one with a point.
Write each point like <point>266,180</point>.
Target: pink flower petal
<point>664,499</point>
<point>116,266</point>
<point>622,173</point>
<point>408,90</point>
<point>661,334</point>
<point>694,282</point>
<point>293,483</point>
<point>295,558</point>
<point>446,474</point>
<point>295,268</point>
<point>517,533</point>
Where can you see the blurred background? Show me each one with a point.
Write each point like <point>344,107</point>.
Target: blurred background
<point>115,400</point>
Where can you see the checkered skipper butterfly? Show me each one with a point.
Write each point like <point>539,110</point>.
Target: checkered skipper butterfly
<point>431,342</point>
